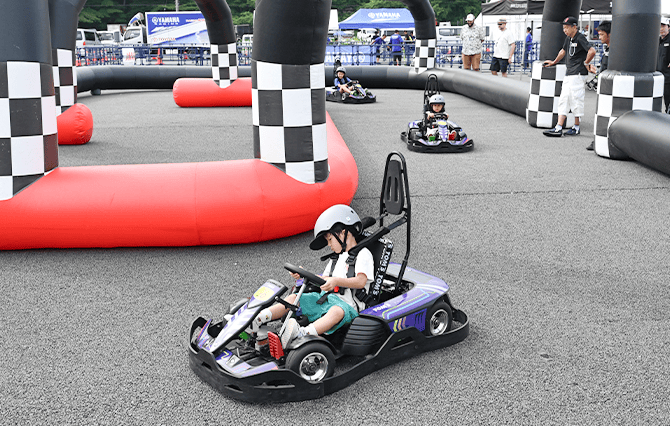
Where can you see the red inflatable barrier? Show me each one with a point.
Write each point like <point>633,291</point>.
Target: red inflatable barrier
<point>75,125</point>
<point>204,92</point>
<point>187,204</point>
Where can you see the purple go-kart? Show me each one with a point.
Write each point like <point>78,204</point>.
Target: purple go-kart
<point>438,135</point>
<point>408,312</point>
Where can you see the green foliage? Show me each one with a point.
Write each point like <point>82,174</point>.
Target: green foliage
<point>99,13</point>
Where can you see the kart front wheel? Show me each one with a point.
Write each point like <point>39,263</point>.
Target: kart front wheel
<point>313,361</point>
<point>438,320</point>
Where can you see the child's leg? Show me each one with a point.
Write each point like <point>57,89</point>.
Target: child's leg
<point>279,310</point>
<point>328,321</point>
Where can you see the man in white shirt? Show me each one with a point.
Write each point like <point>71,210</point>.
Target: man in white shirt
<point>503,50</point>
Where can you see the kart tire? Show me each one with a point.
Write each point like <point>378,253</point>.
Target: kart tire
<point>414,134</point>
<point>438,319</point>
<point>313,361</point>
<point>344,96</point>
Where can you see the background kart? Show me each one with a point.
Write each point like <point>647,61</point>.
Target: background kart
<point>358,96</point>
<point>440,135</point>
<point>409,312</point>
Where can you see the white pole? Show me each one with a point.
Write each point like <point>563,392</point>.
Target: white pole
<point>176,5</point>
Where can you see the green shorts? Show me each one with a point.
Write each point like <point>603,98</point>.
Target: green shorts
<point>314,311</point>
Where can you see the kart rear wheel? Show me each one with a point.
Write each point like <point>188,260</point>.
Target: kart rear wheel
<point>313,362</point>
<point>438,320</point>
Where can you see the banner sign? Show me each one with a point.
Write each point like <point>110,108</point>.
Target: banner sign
<point>177,28</point>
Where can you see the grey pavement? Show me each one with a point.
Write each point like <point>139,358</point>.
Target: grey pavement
<point>558,256</point>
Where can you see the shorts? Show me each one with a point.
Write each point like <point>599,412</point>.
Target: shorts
<point>572,95</point>
<point>499,64</point>
<point>397,55</point>
<point>313,311</point>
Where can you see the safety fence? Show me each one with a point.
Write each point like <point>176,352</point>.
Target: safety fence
<point>447,55</point>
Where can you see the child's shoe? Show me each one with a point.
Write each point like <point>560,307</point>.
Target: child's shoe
<point>263,317</point>
<point>572,132</point>
<point>293,331</point>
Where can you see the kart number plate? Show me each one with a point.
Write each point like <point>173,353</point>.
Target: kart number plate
<point>263,294</point>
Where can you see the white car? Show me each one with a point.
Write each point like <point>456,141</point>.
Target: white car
<point>87,37</point>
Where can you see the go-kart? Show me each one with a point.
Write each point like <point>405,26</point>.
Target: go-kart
<point>407,312</point>
<point>359,95</point>
<point>437,134</point>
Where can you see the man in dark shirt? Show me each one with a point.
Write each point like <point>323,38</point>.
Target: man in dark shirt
<point>604,35</point>
<point>663,62</point>
<point>578,53</point>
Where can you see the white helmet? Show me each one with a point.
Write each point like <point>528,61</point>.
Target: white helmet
<point>338,214</point>
<point>436,99</point>
<point>341,69</point>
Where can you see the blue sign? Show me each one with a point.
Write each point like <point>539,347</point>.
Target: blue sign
<point>176,28</point>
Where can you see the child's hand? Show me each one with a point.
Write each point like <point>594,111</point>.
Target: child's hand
<point>329,285</point>
<point>295,276</point>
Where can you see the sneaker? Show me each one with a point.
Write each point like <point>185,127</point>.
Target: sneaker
<point>590,147</point>
<point>291,332</point>
<point>554,132</point>
<point>572,132</point>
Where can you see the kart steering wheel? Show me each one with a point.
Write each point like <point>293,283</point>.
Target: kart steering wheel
<point>308,276</point>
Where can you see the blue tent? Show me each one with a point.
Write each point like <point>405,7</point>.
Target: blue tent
<point>379,18</point>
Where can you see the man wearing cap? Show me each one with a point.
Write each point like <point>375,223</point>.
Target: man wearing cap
<point>503,50</point>
<point>472,36</point>
<point>663,62</point>
<point>604,35</point>
<point>578,53</point>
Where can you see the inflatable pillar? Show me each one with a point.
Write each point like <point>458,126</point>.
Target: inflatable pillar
<point>426,35</point>
<point>546,82</point>
<point>288,87</point>
<point>630,82</point>
<point>75,121</point>
<point>222,40</point>
<point>28,129</point>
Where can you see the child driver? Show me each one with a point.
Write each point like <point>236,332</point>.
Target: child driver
<point>436,107</point>
<point>337,227</point>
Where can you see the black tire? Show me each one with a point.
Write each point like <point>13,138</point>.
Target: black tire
<point>414,135</point>
<point>313,362</point>
<point>344,96</point>
<point>438,319</point>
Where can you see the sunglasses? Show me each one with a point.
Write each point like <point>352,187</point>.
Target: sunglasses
<point>500,25</point>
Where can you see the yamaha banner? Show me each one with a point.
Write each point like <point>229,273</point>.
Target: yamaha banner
<point>176,28</point>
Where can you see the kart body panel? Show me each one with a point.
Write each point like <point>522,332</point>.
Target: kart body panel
<point>417,139</point>
<point>359,96</point>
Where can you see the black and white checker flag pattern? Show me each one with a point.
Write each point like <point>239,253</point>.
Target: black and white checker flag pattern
<point>619,93</point>
<point>65,79</point>
<point>28,129</point>
<point>545,90</point>
<point>224,64</point>
<point>424,55</point>
<point>288,104</point>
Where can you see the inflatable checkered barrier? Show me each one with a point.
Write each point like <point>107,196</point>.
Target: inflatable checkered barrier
<point>424,55</point>
<point>65,79</point>
<point>224,64</point>
<point>545,90</point>
<point>618,93</point>
<point>289,118</point>
<point>28,129</point>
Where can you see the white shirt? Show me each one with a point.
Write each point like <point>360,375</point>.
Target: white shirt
<point>501,49</point>
<point>364,264</point>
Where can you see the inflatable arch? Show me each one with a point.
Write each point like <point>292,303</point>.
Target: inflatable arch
<point>75,121</point>
<point>208,203</point>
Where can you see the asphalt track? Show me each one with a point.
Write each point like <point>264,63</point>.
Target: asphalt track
<point>559,257</point>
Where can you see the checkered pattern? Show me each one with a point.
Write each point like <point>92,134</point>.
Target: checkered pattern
<point>545,90</point>
<point>28,130</point>
<point>65,79</point>
<point>619,93</point>
<point>424,55</point>
<point>288,105</point>
<point>224,64</point>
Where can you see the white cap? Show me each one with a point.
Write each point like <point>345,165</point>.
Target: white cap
<point>665,21</point>
<point>470,17</point>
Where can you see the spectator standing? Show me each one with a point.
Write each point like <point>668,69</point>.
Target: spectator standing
<point>579,55</point>
<point>472,36</point>
<point>378,42</point>
<point>529,47</point>
<point>396,48</point>
<point>663,61</point>
<point>503,50</point>
<point>604,35</point>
